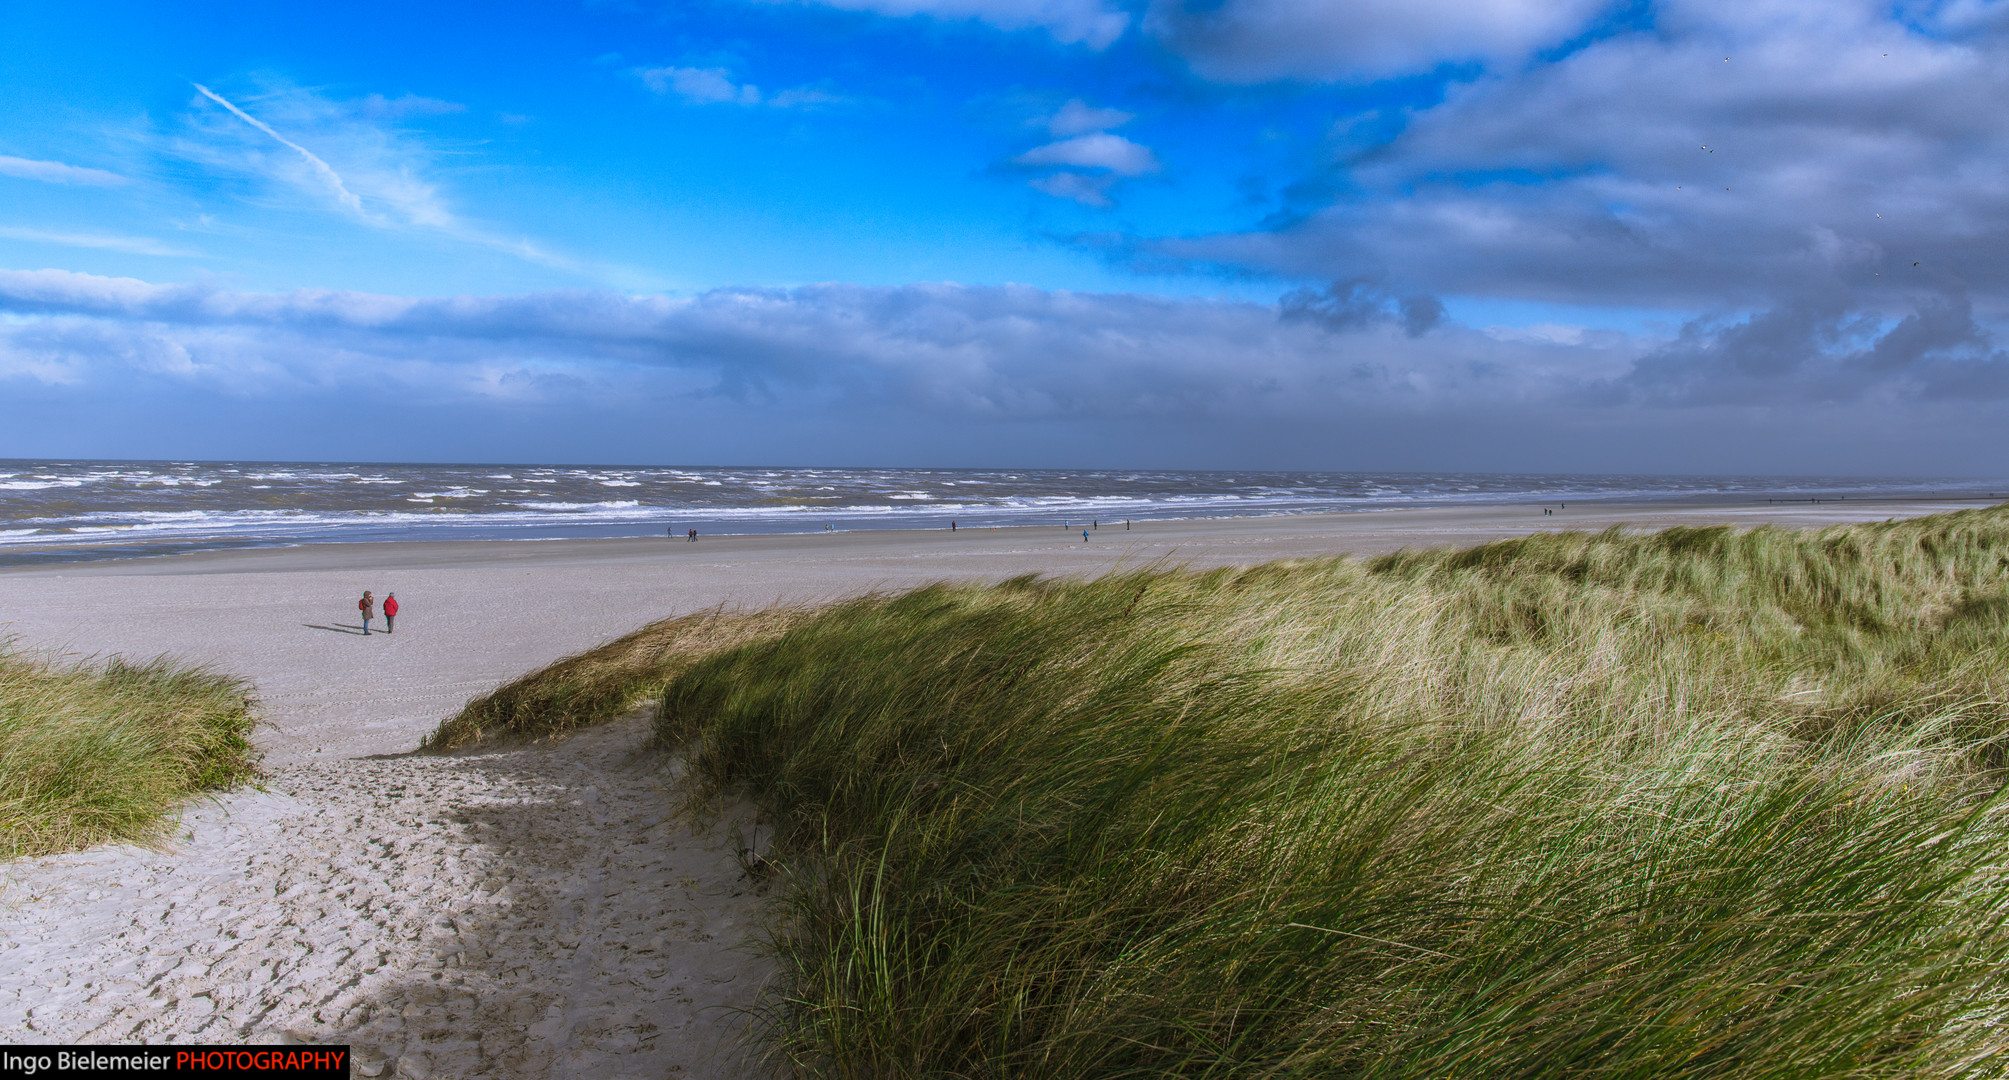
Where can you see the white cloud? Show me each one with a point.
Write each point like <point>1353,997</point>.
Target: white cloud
<point>324,173</point>
<point>1093,23</point>
<point>132,245</point>
<point>1077,117</point>
<point>1110,157</point>
<point>801,97</point>
<point>345,155</point>
<point>1554,333</point>
<point>715,86</point>
<point>1259,40</point>
<point>1100,150</point>
<point>1086,190</point>
<point>1961,16</point>
<point>55,172</point>
<point>379,106</point>
<point>702,85</point>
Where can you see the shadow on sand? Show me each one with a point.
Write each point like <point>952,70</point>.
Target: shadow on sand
<point>604,937</point>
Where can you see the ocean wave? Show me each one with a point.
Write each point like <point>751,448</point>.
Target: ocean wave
<point>189,504</point>
<point>578,506</point>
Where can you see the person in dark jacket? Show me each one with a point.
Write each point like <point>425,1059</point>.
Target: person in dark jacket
<point>368,607</point>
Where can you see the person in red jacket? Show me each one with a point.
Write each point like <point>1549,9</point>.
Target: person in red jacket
<point>368,607</point>
<point>390,611</point>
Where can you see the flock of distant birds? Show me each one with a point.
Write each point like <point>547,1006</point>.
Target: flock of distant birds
<point>1705,146</point>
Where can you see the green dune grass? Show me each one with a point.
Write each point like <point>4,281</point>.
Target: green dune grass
<point>102,753</point>
<point>1693,804</point>
<point>601,684</point>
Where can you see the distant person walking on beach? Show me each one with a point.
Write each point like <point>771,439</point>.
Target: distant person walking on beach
<point>390,611</point>
<point>1084,536</point>
<point>368,607</point>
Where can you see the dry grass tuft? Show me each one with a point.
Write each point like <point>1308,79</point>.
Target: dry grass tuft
<point>102,753</point>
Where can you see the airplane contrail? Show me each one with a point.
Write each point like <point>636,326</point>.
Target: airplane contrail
<point>321,168</point>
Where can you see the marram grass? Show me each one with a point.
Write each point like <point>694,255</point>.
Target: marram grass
<point>601,684</point>
<point>103,753</point>
<point>1703,803</point>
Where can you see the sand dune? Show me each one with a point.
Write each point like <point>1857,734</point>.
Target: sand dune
<point>528,912</point>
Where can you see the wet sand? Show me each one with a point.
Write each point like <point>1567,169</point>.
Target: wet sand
<point>525,912</point>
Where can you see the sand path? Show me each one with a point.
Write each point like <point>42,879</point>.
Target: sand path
<point>534,912</point>
<point>525,913</point>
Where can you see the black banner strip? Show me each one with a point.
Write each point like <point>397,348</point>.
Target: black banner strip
<point>133,1062</point>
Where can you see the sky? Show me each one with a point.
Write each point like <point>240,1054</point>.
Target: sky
<point>1688,236</point>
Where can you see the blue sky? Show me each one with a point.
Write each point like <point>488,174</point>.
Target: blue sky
<point>1700,235</point>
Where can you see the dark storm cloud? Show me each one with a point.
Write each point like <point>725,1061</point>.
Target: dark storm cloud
<point>1256,40</point>
<point>1824,161</point>
<point>1815,350</point>
<point>1354,305</point>
<point>1348,376</point>
<point>998,352</point>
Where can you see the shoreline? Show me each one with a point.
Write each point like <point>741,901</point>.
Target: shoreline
<point>1375,528</point>
<point>26,555</point>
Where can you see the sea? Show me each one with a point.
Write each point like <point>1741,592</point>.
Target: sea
<point>66,511</point>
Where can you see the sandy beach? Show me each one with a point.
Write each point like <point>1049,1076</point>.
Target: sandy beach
<point>529,912</point>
